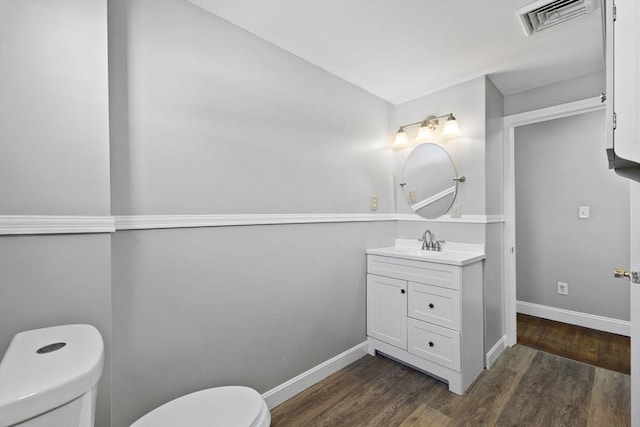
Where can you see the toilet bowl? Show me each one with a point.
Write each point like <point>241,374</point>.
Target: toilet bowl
<point>232,406</point>
<point>49,377</point>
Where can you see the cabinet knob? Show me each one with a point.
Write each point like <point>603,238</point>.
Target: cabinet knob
<point>402,291</point>
<point>431,344</point>
<point>431,305</point>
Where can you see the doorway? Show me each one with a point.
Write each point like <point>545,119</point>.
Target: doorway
<point>572,223</point>
<point>572,226</point>
<point>572,220</point>
<point>510,124</point>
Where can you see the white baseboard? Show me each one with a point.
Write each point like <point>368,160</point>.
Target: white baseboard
<point>496,351</point>
<point>606,324</point>
<point>287,390</point>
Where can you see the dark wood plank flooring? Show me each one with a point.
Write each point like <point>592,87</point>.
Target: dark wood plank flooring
<point>526,387</point>
<point>603,349</point>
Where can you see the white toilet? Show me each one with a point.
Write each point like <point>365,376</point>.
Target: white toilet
<point>231,406</point>
<point>49,377</point>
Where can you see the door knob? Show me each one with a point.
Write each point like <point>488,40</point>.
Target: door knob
<point>620,273</point>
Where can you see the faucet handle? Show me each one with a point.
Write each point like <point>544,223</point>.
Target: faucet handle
<point>438,245</point>
<point>425,244</point>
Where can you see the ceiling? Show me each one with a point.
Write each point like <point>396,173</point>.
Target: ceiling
<point>403,49</point>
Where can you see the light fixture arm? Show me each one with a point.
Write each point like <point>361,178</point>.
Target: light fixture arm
<point>427,120</point>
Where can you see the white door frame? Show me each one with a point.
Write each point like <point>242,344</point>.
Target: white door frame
<point>509,125</point>
<point>635,304</point>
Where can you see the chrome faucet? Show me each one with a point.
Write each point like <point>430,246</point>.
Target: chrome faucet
<point>428,244</point>
<point>427,240</point>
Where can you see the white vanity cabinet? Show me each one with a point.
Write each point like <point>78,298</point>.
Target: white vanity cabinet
<point>428,313</point>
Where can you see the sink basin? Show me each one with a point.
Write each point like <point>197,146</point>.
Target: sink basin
<point>415,252</point>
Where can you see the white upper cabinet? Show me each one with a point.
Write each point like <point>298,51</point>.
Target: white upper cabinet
<point>622,19</point>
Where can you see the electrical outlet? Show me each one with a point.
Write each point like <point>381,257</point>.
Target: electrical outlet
<point>583,212</point>
<point>374,203</point>
<point>563,288</point>
<point>412,196</point>
<point>456,210</point>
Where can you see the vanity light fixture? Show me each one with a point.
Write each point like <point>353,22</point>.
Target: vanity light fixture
<point>425,132</point>
<point>401,139</point>
<point>451,127</point>
<point>427,129</point>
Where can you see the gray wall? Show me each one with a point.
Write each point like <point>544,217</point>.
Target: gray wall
<point>54,148</point>
<point>254,306</point>
<point>219,121</point>
<point>494,114</point>
<point>560,165</point>
<point>54,160</point>
<point>494,233</point>
<point>576,89</point>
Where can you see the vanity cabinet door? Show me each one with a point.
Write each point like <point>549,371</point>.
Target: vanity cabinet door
<point>387,310</point>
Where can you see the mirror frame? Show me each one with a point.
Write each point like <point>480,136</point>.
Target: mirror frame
<point>438,196</point>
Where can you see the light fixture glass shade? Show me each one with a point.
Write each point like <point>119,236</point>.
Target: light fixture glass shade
<point>451,127</point>
<point>401,139</point>
<point>424,134</point>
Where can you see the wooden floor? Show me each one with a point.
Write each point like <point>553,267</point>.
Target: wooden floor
<point>526,387</point>
<point>609,351</point>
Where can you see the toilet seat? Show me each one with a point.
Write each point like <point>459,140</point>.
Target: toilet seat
<point>232,406</point>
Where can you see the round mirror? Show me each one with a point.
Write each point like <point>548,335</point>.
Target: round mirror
<point>430,181</point>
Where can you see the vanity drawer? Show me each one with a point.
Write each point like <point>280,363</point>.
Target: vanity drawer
<point>435,305</point>
<point>435,343</point>
<point>443,275</point>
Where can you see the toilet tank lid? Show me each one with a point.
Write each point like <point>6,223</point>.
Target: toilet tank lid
<point>45,368</point>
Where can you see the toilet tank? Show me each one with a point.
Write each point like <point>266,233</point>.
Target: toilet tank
<point>49,376</point>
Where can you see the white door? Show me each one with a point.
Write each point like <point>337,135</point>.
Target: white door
<point>623,141</point>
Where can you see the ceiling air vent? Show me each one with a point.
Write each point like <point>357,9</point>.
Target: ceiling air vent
<point>544,14</point>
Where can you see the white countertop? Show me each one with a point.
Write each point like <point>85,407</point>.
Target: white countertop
<point>453,253</point>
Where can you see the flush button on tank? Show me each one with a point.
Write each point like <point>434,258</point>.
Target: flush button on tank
<point>51,347</point>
